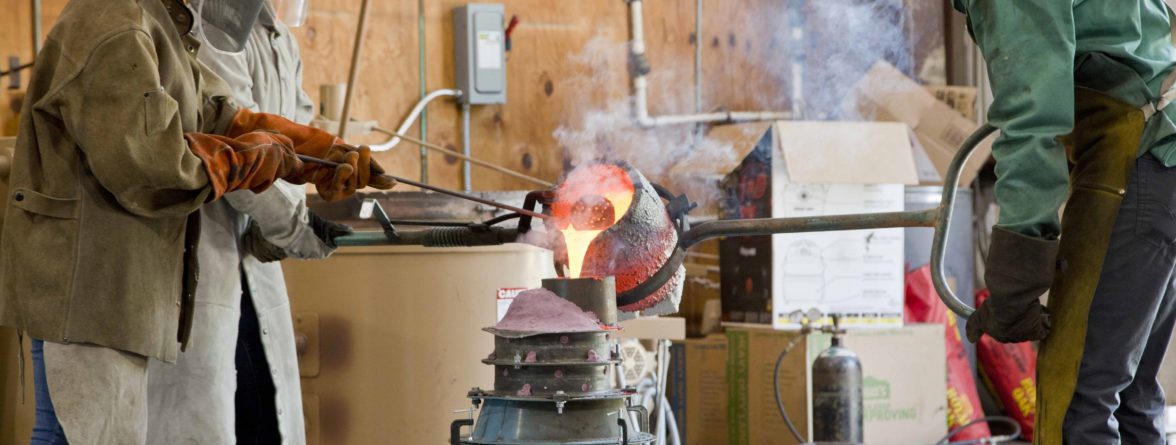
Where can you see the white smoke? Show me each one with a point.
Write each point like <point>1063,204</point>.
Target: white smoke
<point>838,42</point>
<point>845,38</point>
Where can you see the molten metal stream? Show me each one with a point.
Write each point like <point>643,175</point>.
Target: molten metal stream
<point>601,195</point>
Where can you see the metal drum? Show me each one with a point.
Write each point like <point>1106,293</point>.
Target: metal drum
<point>583,421</point>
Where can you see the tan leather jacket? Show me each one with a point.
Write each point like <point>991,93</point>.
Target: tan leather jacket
<point>98,242</point>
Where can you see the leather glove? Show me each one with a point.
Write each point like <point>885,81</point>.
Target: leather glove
<point>251,161</point>
<point>328,230</point>
<point>356,170</point>
<point>256,244</point>
<point>310,141</point>
<point>1019,270</point>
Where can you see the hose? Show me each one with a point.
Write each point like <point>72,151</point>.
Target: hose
<point>647,388</point>
<point>994,439</point>
<point>672,425</point>
<point>776,390</point>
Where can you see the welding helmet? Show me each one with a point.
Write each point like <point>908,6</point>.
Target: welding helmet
<point>226,24</point>
<point>292,12</point>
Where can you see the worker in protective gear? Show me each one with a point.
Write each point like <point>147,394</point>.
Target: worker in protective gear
<point>1080,95</point>
<point>238,381</point>
<point>123,136</point>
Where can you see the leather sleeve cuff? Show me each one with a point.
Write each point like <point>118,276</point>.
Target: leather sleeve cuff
<point>1019,264</point>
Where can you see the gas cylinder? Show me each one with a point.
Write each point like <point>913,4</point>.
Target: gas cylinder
<point>837,395</point>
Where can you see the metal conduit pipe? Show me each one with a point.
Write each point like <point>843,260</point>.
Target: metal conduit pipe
<point>36,6</point>
<point>413,115</point>
<point>467,181</point>
<point>640,68</point>
<point>425,145</point>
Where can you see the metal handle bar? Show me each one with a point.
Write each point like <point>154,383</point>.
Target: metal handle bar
<point>441,190</point>
<point>939,218</point>
<point>942,227</point>
<point>455,430</point>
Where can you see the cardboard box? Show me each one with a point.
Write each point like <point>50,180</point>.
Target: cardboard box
<point>904,384</point>
<point>959,98</point>
<point>701,304</point>
<point>886,94</point>
<point>698,389</point>
<point>802,169</point>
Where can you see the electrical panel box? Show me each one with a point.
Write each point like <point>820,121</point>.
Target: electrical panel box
<point>480,49</point>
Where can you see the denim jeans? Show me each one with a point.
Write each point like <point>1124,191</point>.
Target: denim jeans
<point>46,429</point>
<point>1118,398</point>
<point>257,418</point>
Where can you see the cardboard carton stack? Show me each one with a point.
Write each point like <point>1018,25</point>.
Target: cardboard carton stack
<point>900,368</point>
<point>801,169</point>
<point>811,169</point>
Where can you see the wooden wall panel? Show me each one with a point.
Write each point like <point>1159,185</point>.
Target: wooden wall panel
<point>541,86</point>
<point>552,81</point>
<point>669,41</point>
<point>744,55</point>
<point>387,82</point>
<point>16,40</point>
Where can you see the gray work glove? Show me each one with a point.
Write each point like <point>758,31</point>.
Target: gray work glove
<point>265,251</point>
<point>1019,270</point>
<point>327,231</point>
<point>256,244</point>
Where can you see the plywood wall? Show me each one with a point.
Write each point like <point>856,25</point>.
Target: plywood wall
<point>16,39</point>
<point>568,59</point>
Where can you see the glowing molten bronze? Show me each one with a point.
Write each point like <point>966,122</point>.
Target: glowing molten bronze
<point>591,199</point>
<point>592,212</point>
<point>614,224</point>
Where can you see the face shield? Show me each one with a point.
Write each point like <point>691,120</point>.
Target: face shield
<point>227,23</point>
<point>292,12</point>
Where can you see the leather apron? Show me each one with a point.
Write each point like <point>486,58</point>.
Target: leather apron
<point>1105,145</point>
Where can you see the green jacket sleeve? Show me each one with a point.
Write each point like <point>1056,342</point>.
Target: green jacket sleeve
<point>1029,48</point>
<point>129,130</point>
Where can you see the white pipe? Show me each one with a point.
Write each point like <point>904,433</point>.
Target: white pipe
<point>672,425</point>
<point>413,115</point>
<point>641,88</point>
<point>796,31</point>
<point>663,368</point>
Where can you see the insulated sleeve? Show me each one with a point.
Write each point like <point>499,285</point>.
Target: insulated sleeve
<point>282,219</point>
<point>128,128</point>
<point>280,213</point>
<point>1029,47</point>
<point>304,106</point>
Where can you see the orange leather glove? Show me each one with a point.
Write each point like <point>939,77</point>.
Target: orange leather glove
<point>252,161</point>
<point>307,140</point>
<point>357,169</point>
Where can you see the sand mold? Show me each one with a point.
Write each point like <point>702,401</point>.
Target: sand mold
<point>540,310</point>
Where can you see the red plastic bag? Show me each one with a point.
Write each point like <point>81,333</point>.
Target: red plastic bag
<point>1010,371</point>
<point>963,400</point>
